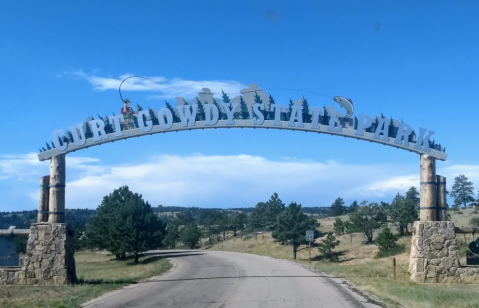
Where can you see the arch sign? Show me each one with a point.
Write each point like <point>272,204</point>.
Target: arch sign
<point>253,108</point>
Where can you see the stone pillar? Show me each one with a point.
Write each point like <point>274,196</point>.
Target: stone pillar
<point>43,202</point>
<point>428,204</point>
<point>434,256</point>
<point>57,189</point>
<point>49,259</point>
<point>441,198</point>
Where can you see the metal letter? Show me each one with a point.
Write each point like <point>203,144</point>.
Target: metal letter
<point>141,123</point>
<point>211,114</point>
<point>382,128</point>
<point>424,141</point>
<point>334,120</point>
<point>277,114</point>
<point>363,125</point>
<point>404,130</point>
<point>258,113</point>
<point>296,114</point>
<point>116,122</point>
<point>315,113</point>
<point>165,114</point>
<point>78,139</point>
<point>56,142</point>
<point>187,114</point>
<point>230,113</point>
<point>98,130</point>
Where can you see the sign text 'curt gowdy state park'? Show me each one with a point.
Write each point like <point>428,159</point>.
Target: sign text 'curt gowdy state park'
<point>253,108</point>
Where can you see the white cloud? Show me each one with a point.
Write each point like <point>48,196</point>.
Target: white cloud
<point>215,181</point>
<point>160,86</point>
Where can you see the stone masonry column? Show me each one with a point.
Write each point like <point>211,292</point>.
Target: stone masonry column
<point>57,189</point>
<point>428,204</point>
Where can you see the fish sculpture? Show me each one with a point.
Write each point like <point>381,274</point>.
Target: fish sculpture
<point>346,103</point>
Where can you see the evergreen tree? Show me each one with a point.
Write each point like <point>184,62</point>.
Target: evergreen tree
<point>221,114</point>
<point>257,217</point>
<point>290,107</point>
<point>337,208</point>
<point>386,242</point>
<point>271,104</point>
<point>88,132</point>
<point>325,117</point>
<point>125,223</point>
<point>201,110</point>
<point>48,146</point>
<point>353,207</point>
<point>172,234</point>
<point>462,190</point>
<point>53,145</point>
<point>135,119</point>
<point>153,117</point>
<point>258,100</point>
<point>306,115</point>
<point>327,245</point>
<point>355,123</point>
<point>244,109</point>
<point>366,219</point>
<point>191,235</point>
<point>176,118</point>
<point>273,207</point>
<point>403,212</point>
<point>338,226</point>
<point>413,195</point>
<point>291,226</point>
<point>391,129</point>
<point>237,222</point>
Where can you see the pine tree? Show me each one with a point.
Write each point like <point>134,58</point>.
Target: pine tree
<point>306,115</point>
<point>258,100</point>
<point>386,242</point>
<point>391,129</point>
<point>290,107</point>
<point>53,145</point>
<point>325,118</point>
<point>271,104</point>
<point>337,208</point>
<point>226,100</point>
<point>221,114</point>
<point>353,207</point>
<point>176,119</point>
<point>88,132</point>
<point>327,245</point>
<point>244,109</point>
<point>153,117</point>
<point>201,110</point>
<point>402,212</point>
<point>291,226</point>
<point>191,235</point>
<point>338,226</point>
<point>48,146</point>
<point>355,123</point>
<point>462,190</point>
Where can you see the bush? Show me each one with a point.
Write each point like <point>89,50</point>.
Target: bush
<point>386,241</point>
<point>327,245</point>
<point>474,222</point>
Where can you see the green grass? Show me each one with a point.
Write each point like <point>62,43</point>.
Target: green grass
<point>97,273</point>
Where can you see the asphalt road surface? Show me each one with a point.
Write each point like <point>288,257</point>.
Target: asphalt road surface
<point>233,280</point>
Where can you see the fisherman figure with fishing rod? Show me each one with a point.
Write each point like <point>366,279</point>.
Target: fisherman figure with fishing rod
<point>128,115</point>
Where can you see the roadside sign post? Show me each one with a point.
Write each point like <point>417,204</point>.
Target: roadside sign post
<point>310,238</point>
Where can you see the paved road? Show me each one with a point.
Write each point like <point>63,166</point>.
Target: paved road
<point>233,280</point>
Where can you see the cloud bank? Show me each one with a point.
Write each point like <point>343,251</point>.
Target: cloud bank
<point>159,87</point>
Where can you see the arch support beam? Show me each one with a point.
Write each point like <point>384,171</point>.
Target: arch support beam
<point>428,203</point>
<point>56,205</point>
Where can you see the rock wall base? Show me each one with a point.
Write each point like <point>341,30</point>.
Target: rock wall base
<point>49,259</point>
<point>434,257</point>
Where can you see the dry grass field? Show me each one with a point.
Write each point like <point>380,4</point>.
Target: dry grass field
<point>100,273</point>
<point>374,276</point>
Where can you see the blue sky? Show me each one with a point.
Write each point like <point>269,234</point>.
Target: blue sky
<point>62,62</point>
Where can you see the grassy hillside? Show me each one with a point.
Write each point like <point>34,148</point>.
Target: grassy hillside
<point>375,276</point>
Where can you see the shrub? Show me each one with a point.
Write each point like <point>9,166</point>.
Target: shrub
<point>386,241</point>
<point>474,222</point>
<point>327,245</point>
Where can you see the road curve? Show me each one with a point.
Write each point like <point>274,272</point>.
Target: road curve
<point>217,279</point>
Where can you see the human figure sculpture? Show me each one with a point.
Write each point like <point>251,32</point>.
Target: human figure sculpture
<point>128,115</point>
